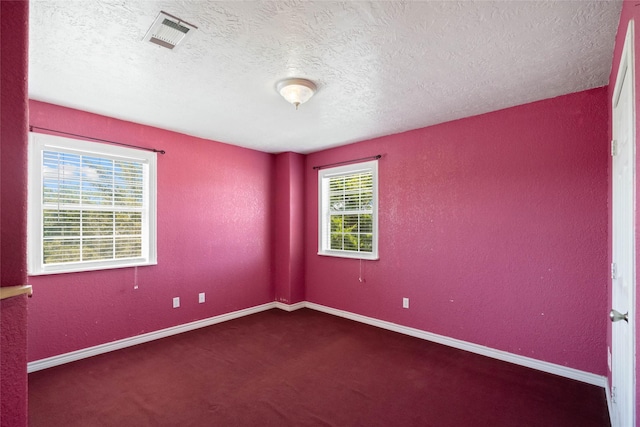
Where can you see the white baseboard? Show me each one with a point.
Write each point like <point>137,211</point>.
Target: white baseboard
<point>539,365</point>
<point>607,391</point>
<point>290,307</point>
<point>50,362</point>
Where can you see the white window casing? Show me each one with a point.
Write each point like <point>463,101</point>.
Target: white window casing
<point>348,211</point>
<point>91,206</point>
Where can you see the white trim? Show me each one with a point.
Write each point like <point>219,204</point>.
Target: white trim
<point>539,365</point>
<point>61,359</point>
<point>607,392</point>
<point>625,67</point>
<point>38,143</point>
<point>290,307</point>
<point>528,362</point>
<point>324,238</point>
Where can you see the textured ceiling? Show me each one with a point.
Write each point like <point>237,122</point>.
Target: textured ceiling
<point>381,67</point>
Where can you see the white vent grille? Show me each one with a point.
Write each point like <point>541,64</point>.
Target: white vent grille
<point>169,31</point>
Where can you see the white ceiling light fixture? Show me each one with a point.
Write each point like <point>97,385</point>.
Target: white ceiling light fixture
<point>296,91</point>
<point>168,31</point>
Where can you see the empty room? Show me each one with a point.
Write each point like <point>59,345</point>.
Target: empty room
<point>318,213</point>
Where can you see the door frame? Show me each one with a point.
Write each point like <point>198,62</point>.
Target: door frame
<point>626,66</point>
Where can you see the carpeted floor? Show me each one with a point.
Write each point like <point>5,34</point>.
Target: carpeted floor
<point>304,368</point>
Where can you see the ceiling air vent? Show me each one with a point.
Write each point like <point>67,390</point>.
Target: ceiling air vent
<point>168,31</point>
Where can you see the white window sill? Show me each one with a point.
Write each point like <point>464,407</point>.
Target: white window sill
<point>351,255</point>
<point>60,269</point>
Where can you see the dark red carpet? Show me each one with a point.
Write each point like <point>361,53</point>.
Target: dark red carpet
<point>304,368</point>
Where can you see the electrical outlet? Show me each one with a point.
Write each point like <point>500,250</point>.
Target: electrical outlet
<point>176,302</point>
<point>405,302</point>
<point>201,297</point>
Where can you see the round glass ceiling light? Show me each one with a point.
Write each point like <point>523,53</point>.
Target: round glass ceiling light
<point>296,91</point>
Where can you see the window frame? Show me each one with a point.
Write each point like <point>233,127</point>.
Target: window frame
<point>324,235</point>
<point>38,143</point>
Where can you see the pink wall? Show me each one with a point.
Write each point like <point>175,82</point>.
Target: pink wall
<point>630,11</point>
<point>214,236</point>
<point>494,226</point>
<point>288,257</point>
<point>13,134</point>
<point>13,362</point>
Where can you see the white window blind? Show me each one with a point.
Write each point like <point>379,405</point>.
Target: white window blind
<point>348,211</point>
<point>92,206</point>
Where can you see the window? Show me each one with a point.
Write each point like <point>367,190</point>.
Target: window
<point>91,206</point>
<point>348,211</point>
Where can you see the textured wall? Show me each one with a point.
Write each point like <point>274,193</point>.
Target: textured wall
<point>214,236</point>
<point>13,135</point>
<point>630,10</point>
<point>495,228</point>
<point>289,228</point>
<point>13,362</point>
<point>14,138</point>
